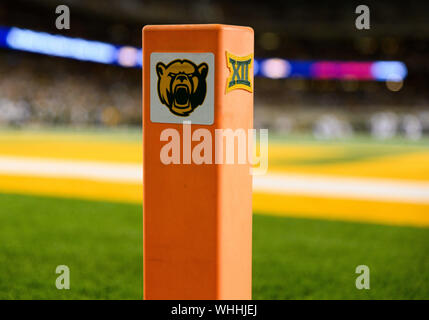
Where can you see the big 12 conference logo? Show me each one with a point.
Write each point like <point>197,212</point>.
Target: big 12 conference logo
<point>240,76</point>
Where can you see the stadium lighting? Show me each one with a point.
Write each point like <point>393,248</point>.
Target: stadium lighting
<point>275,68</point>
<point>61,46</point>
<point>255,67</point>
<point>389,70</point>
<point>128,56</point>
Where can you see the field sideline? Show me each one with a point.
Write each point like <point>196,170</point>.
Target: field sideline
<point>307,241</point>
<point>384,182</point>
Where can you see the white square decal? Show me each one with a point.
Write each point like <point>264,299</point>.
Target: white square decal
<point>182,87</point>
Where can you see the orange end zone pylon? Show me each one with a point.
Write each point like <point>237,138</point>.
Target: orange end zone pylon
<point>197,217</point>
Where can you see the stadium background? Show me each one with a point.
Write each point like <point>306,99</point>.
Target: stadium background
<point>349,151</point>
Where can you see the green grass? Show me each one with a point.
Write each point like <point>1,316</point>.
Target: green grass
<point>293,258</point>
<point>100,242</point>
<point>314,259</point>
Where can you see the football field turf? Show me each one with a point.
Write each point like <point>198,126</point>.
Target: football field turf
<point>292,258</point>
<point>58,207</point>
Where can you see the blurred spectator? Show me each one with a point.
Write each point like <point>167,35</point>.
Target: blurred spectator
<point>66,92</point>
<point>330,127</point>
<point>384,125</point>
<point>38,89</point>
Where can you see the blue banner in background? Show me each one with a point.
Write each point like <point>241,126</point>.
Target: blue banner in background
<point>131,57</point>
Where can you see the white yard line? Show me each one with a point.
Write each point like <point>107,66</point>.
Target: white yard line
<point>103,171</point>
<point>343,187</point>
<point>299,184</point>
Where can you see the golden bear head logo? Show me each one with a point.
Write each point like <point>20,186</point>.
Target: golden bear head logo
<point>182,85</point>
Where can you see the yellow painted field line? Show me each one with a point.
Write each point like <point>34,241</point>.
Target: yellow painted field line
<point>411,165</point>
<point>72,188</point>
<point>274,204</point>
<point>342,209</point>
<point>124,152</point>
<point>310,185</point>
<point>406,166</point>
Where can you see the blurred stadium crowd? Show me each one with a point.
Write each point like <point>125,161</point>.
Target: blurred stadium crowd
<point>39,90</point>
